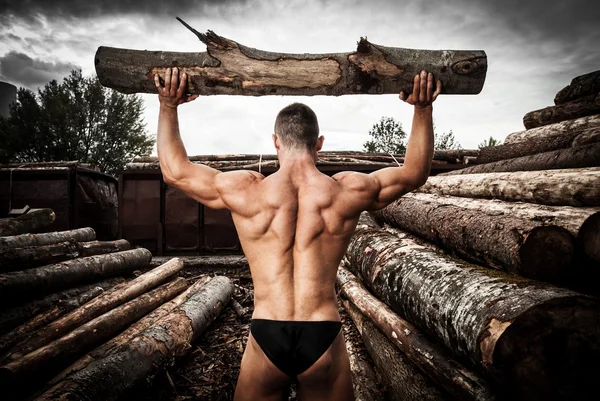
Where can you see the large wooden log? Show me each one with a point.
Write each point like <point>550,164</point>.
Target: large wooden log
<point>589,237</point>
<point>564,127</point>
<point>99,305</point>
<point>419,354</point>
<point>134,363</point>
<point>534,339</point>
<point>568,187</point>
<point>581,87</point>
<point>525,247</point>
<point>14,315</point>
<point>229,68</point>
<point>563,112</point>
<point>33,256</point>
<point>44,361</point>
<point>490,154</point>
<point>24,240</point>
<point>27,223</point>
<point>50,278</point>
<point>569,158</point>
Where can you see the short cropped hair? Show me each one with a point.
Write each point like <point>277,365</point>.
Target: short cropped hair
<point>297,127</point>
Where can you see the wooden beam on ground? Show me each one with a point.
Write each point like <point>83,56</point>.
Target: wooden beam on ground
<point>547,131</point>
<point>24,240</point>
<point>27,223</point>
<point>563,112</point>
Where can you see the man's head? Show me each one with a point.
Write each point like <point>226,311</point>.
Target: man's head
<point>297,128</point>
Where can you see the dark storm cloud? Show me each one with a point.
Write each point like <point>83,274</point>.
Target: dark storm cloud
<point>20,69</point>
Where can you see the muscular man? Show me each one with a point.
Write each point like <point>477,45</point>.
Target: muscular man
<point>294,227</point>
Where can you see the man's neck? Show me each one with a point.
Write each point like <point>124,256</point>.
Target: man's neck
<point>293,159</point>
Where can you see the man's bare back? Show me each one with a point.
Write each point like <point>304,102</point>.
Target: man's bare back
<point>294,227</point>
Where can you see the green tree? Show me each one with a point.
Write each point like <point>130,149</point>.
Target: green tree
<point>445,141</point>
<point>491,141</point>
<point>78,119</point>
<point>387,136</point>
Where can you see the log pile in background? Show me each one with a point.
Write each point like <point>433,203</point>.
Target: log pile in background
<point>26,223</point>
<point>40,335</point>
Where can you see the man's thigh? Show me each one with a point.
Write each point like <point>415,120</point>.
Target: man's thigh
<point>259,379</point>
<point>329,378</point>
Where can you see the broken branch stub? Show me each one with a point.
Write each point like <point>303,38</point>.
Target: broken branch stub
<point>229,68</point>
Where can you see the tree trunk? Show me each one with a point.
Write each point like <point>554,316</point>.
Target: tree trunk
<point>27,223</point>
<point>582,86</point>
<point>44,361</point>
<point>50,278</point>
<point>568,187</point>
<point>564,127</point>
<point>24,240</point>
<point>563,112</point>
<point>13,316</point>
<point>569,158</point>
<point>490,154</point>
<point>206,262</point>
<point>132,331</point>
<point>155,348</point>
<point>228,68</point>
<point>33,256</point>
<point>417,350</point>
<point>534,339</point>
<point>525,247</point>
<point>589,237</point>
<point>99,305</point>
<point>454,156</point>
<point>24,332</point>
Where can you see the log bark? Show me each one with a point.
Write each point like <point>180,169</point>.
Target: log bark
<point>102,304</point>
<point>27,223</point>
<point>13,316</point>
<point>581,87</point>
<point>564,127</point>
<point>524,247</point>
<point>454,156</point>
<point>34,256</point>
<point>229,68</point>
<point>24,240</point>
<point>563,112</point>
<point>569,158</point>
<point>490,154</point>
<point>589,237</point>
<point>568,187</point>
<point>533,339</point>
<point>50,278</point>
<point>132,364</point>
<point>205,262</point>
<point>44,361</point>
<point>132,331</point>
<point>421,360</point>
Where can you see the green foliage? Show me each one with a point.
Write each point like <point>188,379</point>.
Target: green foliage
<point>78,119</point>
<point>491,141</point>
<point>387,136</point>
<point>445,141</point>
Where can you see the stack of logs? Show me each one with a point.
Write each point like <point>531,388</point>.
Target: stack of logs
<point>482,284</point>
<point>76,322</point>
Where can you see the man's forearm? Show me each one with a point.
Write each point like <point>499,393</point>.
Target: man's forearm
<point>170,148</point>
<point>419,150</point>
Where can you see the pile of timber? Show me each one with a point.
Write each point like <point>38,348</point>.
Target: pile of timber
<point>73,313</point>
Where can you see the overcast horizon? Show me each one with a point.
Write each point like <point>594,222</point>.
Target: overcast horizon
<point>534,49</point>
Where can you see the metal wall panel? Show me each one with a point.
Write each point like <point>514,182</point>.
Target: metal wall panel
<point>182,221</point>
<point>218,231</point>
<point>140,206</point>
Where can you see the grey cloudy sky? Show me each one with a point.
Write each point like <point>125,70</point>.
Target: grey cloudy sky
<point>534,49</point>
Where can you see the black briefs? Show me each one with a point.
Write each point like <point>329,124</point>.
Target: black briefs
<point>294,346</point>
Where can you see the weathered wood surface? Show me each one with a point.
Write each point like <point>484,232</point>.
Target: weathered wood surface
<point>24,240</point>
<point>533,339</point>
<point>490,154</point>
<point>569,158</point>
<point>205,262</point>
<point>115,376</point>
<point>420,355</point>
<point>525,247</point>
<point>564,127</point>
<point>34,256</point>
<point>99,305</point>
<point>44,279</point>
<point>24,331</point>
<point>564,187</point>
<point>589,237</point>
<point>229,68</point>
<point>132,331</point>
<point>27,223</point>
<point>52,357</point>
<point>563,112</point>
<point>581,87</point>
<point>15,314</point>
